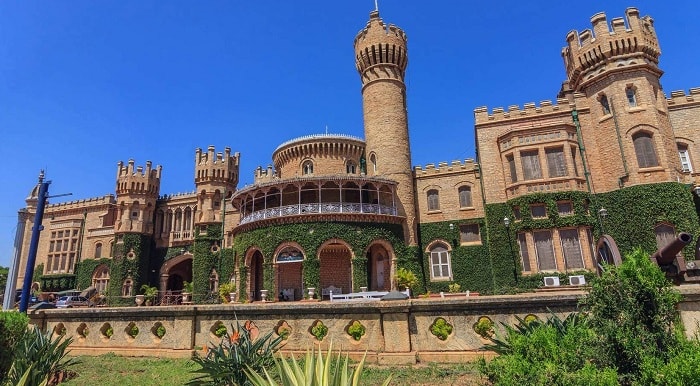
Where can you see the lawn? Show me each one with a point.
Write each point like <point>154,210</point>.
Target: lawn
<point>108,370</point>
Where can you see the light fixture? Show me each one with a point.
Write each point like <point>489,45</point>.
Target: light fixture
<point>452,226</point>
<point>603,213</point>
<point>506,221</point>
<point>697,190</point>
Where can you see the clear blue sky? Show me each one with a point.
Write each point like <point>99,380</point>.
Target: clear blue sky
<point>84,84</point>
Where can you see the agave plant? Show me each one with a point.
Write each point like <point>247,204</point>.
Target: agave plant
<point>41,358</point>
<point>225,363</point>
<point>316,371</point>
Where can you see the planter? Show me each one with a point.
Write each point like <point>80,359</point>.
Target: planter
<point>232,297</point>
<point>363,289</point>
<point>186,296</point>
<point>263,295</point>
<point>312,292</point>
<point>139,300</point>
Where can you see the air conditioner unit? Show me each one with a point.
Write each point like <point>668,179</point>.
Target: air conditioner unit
<point>551,281</point>
<point>577,280</point>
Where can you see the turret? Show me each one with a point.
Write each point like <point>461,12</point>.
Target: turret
<point>137,192</point>
<point>381,58</point>
<point>216,177</point>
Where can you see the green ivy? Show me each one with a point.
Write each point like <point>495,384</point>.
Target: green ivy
<point>58,282</point>
<point>205,260</point>
<point>38,272</point>
<point>137,267</point>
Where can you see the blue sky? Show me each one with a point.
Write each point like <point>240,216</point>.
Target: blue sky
<point>84,84</point>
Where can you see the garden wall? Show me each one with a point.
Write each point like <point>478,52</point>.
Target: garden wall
<point>395,332</point>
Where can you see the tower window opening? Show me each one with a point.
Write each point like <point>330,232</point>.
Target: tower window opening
<point>605,105</point>
<point>644,148</point>
<point>433,200</point>
<point>684,155</point>
<point>631,96</point>
<point>350,168</point>
<point>307,168</point>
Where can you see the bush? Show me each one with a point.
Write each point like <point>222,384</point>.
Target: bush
<point>224,290</point>
<point>41,358</point>
<point>225,364</point>
<point>356,330</point>
<point>681,369</point>
<point>441,329</point>
<point>319,330</point>
<point>406,279</point>
<point>13,325</point>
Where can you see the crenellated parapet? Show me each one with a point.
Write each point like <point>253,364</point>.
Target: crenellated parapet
<point>107,199</point>
<point>380,51</point>
<point>680,98</point>
<point>262,176</point>
<point>445,168</point>
<point>138,181</point>
<point>609,47</point>
<point>211,166</point>
<point>498,114</point>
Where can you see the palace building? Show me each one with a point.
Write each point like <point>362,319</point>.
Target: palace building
<point>612,155</point>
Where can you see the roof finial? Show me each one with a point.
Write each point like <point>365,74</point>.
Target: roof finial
<point>376,6</point>
<point>326,129</point>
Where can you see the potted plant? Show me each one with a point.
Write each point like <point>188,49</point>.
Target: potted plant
<point>227,292</point>
<point>406,279</point>
<point>187,289</point>
<point>149,293</point>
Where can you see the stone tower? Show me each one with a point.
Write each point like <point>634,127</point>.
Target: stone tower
<point>216,177</point>
<point>137,192</point>
<point>613,77</point>
<point>381,58</point>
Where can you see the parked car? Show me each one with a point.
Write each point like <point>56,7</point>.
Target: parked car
<point>42,306</point>
<point>72,301</point>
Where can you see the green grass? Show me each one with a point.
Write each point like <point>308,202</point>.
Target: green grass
<point>113,370</point>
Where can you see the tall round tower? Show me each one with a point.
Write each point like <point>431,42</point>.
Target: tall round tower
<point>216,179</point>
<point>381,59</point>
<point>137,192</point>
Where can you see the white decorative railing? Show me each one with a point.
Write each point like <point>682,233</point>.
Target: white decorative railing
<point>318,208</point>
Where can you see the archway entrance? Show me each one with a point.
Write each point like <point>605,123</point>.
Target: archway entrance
<point>173,274</point>
<point>288,263</point>
<point>336,267</point>
<point>256,276</point>
<point>378,268</point>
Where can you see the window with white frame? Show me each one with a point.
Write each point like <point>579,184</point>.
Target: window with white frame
<point>307,168</point>
<point>350,167</point>
<point>524,253</point>
<point>531,165</point>
<point>433,200</point>
<point>127,287</point>
<point>465,197</point>
<point>544,249</point>
<point>683,154</point>
<point>440,265</point>
<point>100,279</point>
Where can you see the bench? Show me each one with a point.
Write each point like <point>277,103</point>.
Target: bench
<point>326,292</point>
<point>364,295</point>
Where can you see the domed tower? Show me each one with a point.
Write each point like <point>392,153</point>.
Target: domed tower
<point>216,177</point>
<point>381,59</point>
<point>624,117</point>
<point>137,192</point>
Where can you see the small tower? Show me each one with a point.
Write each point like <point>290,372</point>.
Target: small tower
<point>381,59</point>
<point>613,71</point>
<point>137,192</point>
<point>216,177</point>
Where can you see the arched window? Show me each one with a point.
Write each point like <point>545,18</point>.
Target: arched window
<point>307,168</point>
<point>433,200</point>
<point>373,161</point>
<point>465,197</point>
<point>631,94</point>
<point>683,154</point>
<point>604,104</point>
<point>100,279</point>
<point>98,250</point>
<point>128,287</point>
<point>644,148</point>
<point>440,264</point>
<point>213,281</point>
<point>350,167</point>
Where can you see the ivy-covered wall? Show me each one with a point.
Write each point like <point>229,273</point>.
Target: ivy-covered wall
<point>125,265</point>
<point>85,270</point>
<point>310,236</point>
<point>209,256</point>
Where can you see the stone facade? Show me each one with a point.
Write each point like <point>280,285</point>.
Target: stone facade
<point>610,128</point>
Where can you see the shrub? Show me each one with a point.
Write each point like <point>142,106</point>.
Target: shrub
<point>109,332</point>
<point>149,292</point>
<point>160,331</point>
<point>220,331</point>
<point>316,370</point>
<point>356,330</point>
<point>225,363</point>
<point>441,329</point>
<point>42,358</point>
<point>484,327</point>
<point>406,279</point>
<point>133,331</point>
<point>187,287</point>
<point>224,290</point>
<point>319,330</point>
<point>454,288</point>
<point>681,369</point>
<point>13,325</point>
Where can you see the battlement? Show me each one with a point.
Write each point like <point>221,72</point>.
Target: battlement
<point>216,167</point>
<point>445,168</point>
<point>264,175</point>
<point>606,43</point>
<point>107,199</point>
<point>481,114</point>
<point>137,180</point>
<point>679,97</point>
<point>379,44</point>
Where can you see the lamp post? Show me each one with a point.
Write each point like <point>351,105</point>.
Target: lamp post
<point>506,222</point>
<point>602,214</point>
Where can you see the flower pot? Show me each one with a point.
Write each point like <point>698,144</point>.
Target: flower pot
<point>312,292</point>
<point>263,295</point>
<point>186,297</point>
<point>232,296</point>
<point>139,300</point>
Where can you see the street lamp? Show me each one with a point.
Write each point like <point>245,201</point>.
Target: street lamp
<point>602,214</point>
<point>506,222</point>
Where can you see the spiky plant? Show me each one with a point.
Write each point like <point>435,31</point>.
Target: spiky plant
<point>42,358</point>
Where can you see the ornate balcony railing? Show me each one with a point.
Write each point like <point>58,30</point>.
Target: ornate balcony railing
<point>318,208</point>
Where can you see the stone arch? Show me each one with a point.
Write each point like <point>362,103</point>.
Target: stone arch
<point>100,278</point>
<point>174,272</point>
<point>335,268</point>
<point>380,265</point>
<point>289,278</point>
<point>255,262</point>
